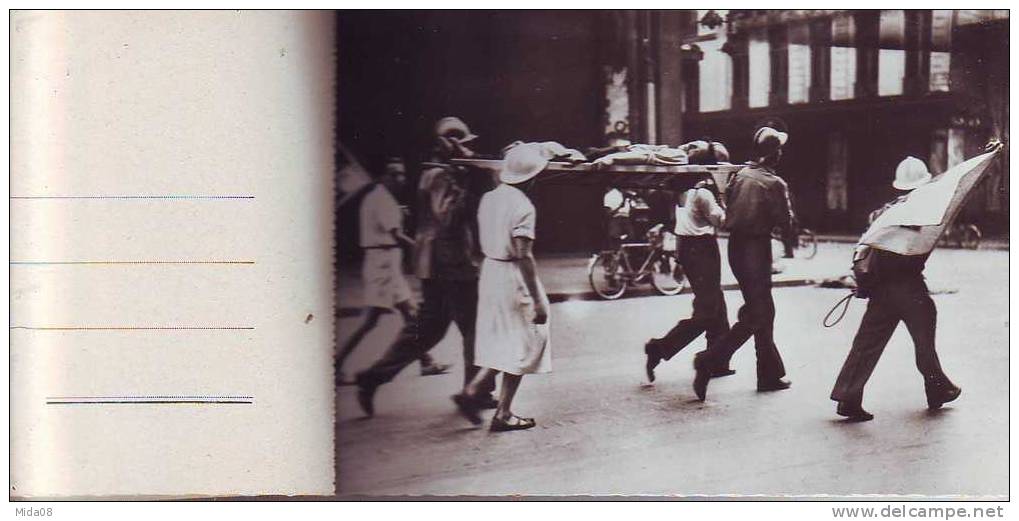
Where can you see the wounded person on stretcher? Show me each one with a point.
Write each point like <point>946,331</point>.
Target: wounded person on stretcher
<point>693,153</point>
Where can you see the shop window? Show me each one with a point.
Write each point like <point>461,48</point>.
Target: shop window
<point>837,180</point>
<point>956,146</point>
<point>939,152</point>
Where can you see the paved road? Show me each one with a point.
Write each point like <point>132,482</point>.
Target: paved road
<point>601,431</point>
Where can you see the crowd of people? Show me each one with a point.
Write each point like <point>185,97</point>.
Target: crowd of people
<point>473,253</point>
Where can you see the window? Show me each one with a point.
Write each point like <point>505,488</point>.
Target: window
<point>715,68</point>
<point>891,63</point>
<point>941,44</point>
<point>843,57</point>
<point>891,69</point>
<point>715,77</point>
<point>799,63</point>
<point>715,82</point>
<point>760,68</point>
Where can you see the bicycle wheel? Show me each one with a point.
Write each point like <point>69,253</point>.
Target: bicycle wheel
<point>667,275</point>
<point>605,273</point>
<point>969,237</point>
<point>806,244</point>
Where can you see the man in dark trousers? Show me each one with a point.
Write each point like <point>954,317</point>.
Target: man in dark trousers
<point>446,260</point>
<point>895,286</point>
<point>696,219</point>
<point>758,202</point>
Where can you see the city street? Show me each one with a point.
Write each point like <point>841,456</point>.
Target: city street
<point>602,430</point>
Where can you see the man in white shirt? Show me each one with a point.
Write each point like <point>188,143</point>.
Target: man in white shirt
<point>380,219</point>
<point>698,215</point>
<point>616,205</point>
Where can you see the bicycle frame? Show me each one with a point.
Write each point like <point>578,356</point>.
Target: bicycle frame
<point>655,253</point>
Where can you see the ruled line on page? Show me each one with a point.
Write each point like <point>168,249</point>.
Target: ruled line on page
<point>134,328</point>
<point>134,197</point>
<point>148,399</point>
<point>131,262</point>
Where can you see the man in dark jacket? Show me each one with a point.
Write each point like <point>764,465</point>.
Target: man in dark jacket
<point>897,292</point>
<point>758,202</point>
<point>446,255</point>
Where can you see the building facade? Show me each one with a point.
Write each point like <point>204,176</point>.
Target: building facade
<point>857,91</point>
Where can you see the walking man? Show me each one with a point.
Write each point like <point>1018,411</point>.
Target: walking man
<point>697,217</point>
<point>446,260</point>
<point>758,202</point>
<point>897,292</point>
<point>385,288</point>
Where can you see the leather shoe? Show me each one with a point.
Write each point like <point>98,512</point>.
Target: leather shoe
<point>721,373</point>
<point>366,398</point>
<point>653,359</point>
<point>702,377</point>
<point>940,394</point>
<point>468,407</point>
<point>488,402</point>
<point>853,412</point>
<point>435,368</point>
<point>718,372</point>
<point>700,383</point>
<point>777,384</point>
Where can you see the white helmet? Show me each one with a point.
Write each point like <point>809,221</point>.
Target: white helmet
<point>911,173</point>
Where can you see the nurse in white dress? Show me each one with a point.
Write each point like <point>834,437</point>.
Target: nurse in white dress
<point>511,336</point>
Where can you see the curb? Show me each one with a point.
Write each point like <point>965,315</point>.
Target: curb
<point>648,291</point>
<point>990,245</point>
<point>642,291</point>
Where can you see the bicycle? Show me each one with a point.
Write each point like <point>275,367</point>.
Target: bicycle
<point>610,272</point>
<point>962,235</point>
<point>805,246</point>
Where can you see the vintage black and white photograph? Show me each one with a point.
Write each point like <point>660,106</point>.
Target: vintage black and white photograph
<point>698,253</point>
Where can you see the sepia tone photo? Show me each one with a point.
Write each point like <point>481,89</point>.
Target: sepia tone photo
<point>689,253</point>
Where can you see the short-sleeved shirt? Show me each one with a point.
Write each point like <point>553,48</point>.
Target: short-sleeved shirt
<point>699,215</point>
<point>758,202</point>
<point>504,213</point>
<point>380,214</point>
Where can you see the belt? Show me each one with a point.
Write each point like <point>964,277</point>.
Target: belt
<point>381,247</point>
<point>501,260</point>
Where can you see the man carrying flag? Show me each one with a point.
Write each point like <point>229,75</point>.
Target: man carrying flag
<point>889,264</point>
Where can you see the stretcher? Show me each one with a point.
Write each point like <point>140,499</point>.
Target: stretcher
<point>621,176</point>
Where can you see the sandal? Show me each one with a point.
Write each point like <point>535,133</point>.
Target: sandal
<point>514,423</point>
<point>468,407</point>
